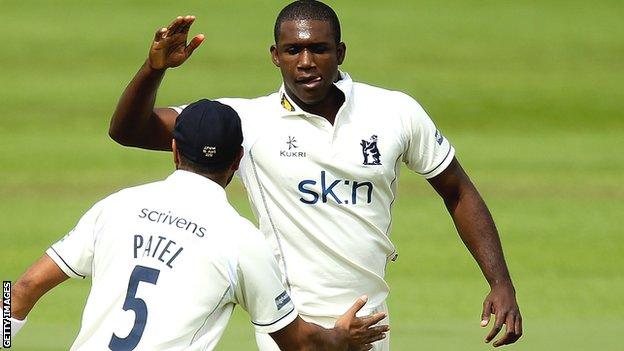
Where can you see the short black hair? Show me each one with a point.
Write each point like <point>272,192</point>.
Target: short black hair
<point>308,10</point>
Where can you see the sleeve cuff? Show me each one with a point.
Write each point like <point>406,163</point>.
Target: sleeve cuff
<point>16,325</point>
<point>178,109</point>
<point>278,324</point>
<point>62,264</point>
<point>442,165</point>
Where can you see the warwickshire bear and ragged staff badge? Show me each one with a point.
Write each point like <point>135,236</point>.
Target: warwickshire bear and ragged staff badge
<point>370,151</point>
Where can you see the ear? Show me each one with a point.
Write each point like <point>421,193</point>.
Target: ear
<point>274,55</point>
<point>341,52</point>
<point>237,160</point>
<point>176,156</point>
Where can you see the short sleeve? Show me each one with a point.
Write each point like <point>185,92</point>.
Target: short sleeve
<point>428,151</point>
<point>178,109</point>
<point>74,252</point>
<point>260,290</point>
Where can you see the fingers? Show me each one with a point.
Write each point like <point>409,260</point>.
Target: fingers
<point>160,34</point>
<point>188,21</point>
<point>376,334</point>
<point>180,25</point>
<point>486,313</point>
<point>374,338</point>
<point>173,27</point>
<point>511,335</point>
<point>518,326</point>
<point>372,320</point>
<point>498,325</point>
<point>195,42</point>
<point>359,303</point>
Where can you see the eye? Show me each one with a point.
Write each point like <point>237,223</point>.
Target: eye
<point>319,49</point>
<point>293,50</point>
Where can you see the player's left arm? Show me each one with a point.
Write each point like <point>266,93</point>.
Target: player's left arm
<point>40,278</point>
<point>478,232</point>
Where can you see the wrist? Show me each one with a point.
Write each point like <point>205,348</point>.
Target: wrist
<point>340,337</point>
<point>502,284</point>
<point>150,70</point>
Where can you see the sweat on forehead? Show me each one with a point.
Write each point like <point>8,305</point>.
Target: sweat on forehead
<point>308,10</point>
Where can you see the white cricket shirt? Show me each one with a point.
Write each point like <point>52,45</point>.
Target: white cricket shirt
<point>323,193</point>
<point>169,261</point>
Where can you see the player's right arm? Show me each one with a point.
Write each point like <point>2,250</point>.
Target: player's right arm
<point>135,121</point>
<point>40,278</point>
<point>70,257</point>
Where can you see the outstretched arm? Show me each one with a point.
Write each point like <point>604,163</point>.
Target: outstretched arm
<point>349,333</point>
<point>40,278</point>
<point>477,230</point>
<point>135,121</point>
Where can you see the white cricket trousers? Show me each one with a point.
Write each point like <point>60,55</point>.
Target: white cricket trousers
<point>266,343</point>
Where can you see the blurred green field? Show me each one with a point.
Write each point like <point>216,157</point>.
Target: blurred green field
<point>530,92</point>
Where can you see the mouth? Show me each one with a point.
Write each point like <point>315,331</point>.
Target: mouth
<point>309,81</point>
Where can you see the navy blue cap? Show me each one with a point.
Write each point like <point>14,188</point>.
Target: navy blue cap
<point>209,133</point>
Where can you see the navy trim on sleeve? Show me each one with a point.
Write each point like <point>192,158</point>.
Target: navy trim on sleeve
<point>439,164</point>
<point>269,324</point>
<point>68,266</point>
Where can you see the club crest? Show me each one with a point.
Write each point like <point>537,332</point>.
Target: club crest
<point>370,151</point>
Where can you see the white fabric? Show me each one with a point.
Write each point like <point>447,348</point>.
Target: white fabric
<point>205,256</point>
<point>324,209</point>
<point>16,325</point>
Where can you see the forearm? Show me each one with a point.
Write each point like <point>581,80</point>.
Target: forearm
<point>477,230</point>
<point>135,110</point>
<point>303,336</point>
<point>40,278</point>
<point>325,339</point>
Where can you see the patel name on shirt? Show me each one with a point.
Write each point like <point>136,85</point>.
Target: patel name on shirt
<point>160,247</point>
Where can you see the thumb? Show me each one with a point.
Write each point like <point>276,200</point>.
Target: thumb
<point>359,303</point>
<point>485,315</point>
<point>195,42</point>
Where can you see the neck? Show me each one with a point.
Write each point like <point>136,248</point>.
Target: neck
<point>327,108</point>
<point>220,178</point>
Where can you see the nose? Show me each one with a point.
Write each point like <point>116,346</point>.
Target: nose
<point>306,59</point>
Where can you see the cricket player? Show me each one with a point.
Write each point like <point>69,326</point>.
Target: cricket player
<point>170,259</point>
<point>322,159</point>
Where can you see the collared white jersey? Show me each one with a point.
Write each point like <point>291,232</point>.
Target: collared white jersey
<point>169,261</point>
<point>323,193</point>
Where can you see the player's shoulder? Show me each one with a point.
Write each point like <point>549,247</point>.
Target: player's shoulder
<point>247,105</point>
<point>129,195</point>
<point>375,94</point>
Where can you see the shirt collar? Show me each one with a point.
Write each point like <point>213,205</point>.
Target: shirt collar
<point>290,108</point>
<point>195,183</point>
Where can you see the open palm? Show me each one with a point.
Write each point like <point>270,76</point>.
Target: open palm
<point>170,48</point>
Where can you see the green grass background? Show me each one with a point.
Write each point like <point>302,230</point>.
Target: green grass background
<point>530,93</point>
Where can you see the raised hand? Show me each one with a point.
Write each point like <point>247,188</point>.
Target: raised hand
<point>361,331</point>
<point>501,302</point>
<point>170,48</point>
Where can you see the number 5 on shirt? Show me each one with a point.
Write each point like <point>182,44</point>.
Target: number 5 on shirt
<point>130,342</point>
